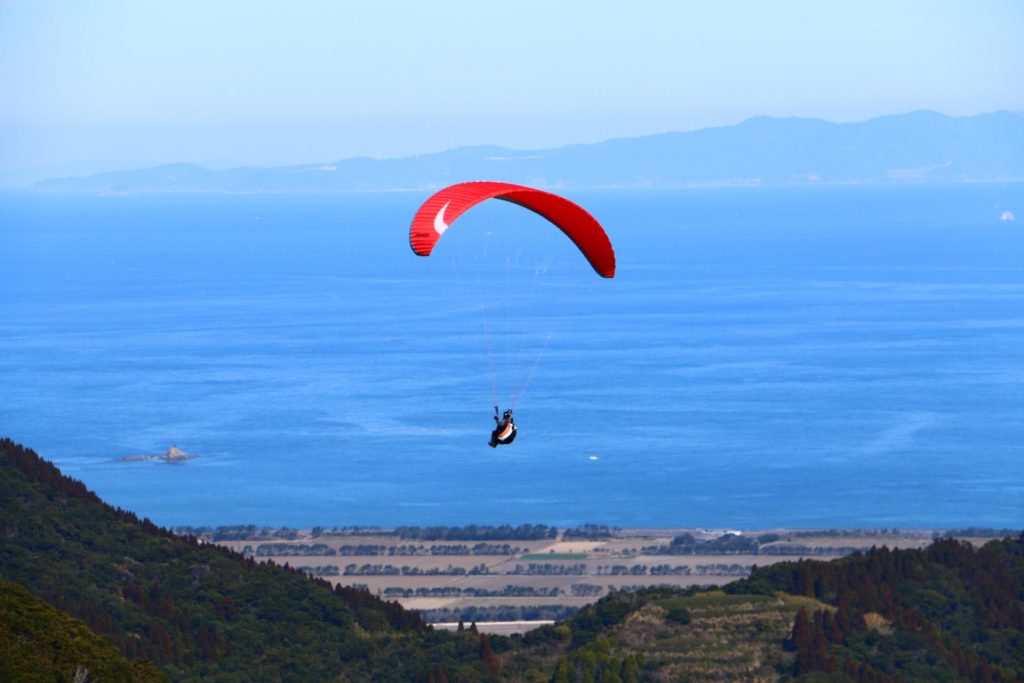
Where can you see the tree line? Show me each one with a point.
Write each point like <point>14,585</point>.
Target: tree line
<point>958,610</point>
<point>478,532</point>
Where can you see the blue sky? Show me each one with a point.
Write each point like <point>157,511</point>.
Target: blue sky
<point>102,85</point>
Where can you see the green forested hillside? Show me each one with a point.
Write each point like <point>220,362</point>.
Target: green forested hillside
<point>39,643</point>
<point>947,612</point>
<point>198,611</point>
<point>950,612</point>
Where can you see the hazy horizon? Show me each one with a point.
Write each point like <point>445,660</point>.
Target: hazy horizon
<point>569,143</point>
<point>117,85</point>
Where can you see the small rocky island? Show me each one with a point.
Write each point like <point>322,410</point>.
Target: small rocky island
<point>173,454</point>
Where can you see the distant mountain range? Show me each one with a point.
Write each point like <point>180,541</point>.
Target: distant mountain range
<point>916,147</point>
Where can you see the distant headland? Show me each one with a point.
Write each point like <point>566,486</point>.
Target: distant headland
<point>917,147</point>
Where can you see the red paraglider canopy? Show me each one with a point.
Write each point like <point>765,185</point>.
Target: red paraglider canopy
<point>441,210</point>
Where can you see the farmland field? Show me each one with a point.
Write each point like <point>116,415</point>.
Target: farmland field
<point>507,580</point>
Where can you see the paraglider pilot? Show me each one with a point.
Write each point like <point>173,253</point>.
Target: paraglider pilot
<point>505,431</point>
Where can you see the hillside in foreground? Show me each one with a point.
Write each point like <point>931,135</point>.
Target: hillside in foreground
<point>948,612</point>
<point>199,611</point>
<point>41,643</point>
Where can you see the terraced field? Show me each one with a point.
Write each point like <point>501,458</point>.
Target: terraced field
<point>705,637</point>
<point>728,637</point>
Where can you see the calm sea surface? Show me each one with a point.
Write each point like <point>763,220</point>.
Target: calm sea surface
<point>797,357</point>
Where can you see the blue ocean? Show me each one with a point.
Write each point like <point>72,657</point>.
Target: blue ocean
<point>799,357</point>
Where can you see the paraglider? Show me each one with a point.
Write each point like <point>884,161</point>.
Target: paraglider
<point>504,431</point>
<point>440,211</point>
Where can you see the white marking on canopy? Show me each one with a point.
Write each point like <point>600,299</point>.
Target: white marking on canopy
<point>439,225</point>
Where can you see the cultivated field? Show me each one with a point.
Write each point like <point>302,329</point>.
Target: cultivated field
<point>515,580</point>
